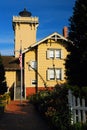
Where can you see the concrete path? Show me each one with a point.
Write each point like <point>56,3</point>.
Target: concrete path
<point>22,117</point>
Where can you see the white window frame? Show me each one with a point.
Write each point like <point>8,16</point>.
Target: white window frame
<point>54,53</point>
<point>52,74</point>
<point>58,53</point>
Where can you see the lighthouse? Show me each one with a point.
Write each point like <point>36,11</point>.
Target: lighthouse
<point>25,29</point>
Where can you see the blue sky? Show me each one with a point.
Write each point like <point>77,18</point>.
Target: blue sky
<point>53,16</point>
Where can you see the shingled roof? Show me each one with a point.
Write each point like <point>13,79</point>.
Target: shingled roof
<point>10,63</point>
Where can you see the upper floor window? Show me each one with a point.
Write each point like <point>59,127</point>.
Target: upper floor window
<point>54,53</point>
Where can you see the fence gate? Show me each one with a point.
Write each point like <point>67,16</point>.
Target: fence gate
<point>78,108</point>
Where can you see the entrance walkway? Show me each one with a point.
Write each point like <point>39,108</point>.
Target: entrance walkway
<point>22,117</point>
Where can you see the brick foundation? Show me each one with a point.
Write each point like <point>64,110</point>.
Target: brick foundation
<point>33,90</point>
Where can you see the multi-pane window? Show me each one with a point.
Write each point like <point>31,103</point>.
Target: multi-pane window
<point>54,53</point>
<point>55,74</point>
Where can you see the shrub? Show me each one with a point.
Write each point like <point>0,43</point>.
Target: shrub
<point>79,126</point>
<point>53,104</point>
<point>4,99</point>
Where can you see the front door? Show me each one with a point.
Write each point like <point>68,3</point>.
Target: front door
<point>18,86</point>
<point>18,92</point>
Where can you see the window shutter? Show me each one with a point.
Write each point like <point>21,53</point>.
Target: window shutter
<point>48,54</point>
<point>62,54</point>
<point>48,74</point>
<point>62,74</point>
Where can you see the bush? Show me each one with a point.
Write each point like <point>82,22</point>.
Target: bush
<point>79,126</point>
<point>54,106</point>
<point>4,99</point>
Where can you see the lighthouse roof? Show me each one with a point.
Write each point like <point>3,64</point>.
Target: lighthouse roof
<point>25,13</point>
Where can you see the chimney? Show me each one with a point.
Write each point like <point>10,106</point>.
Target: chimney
<point>65,31</point>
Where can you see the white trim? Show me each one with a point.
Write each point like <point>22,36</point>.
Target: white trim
<point>62,74</point>
<point>57,74</point>
<point>56,36</point>
<point>48,56</point>
<point>62,56</point>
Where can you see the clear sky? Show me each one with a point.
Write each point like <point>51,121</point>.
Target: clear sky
<point>53,16</point>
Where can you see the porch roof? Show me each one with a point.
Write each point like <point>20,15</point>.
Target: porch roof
<point>10,63</point>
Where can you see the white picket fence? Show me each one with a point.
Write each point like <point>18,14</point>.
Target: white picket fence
<point>78,108</point>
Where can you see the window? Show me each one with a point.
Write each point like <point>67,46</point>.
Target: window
<point>32,65</point>
<point>57,53</point>
<point>51,53</point>
<point>54,73</point>
<point>54,53</point>
<point>58,74</point>
<point>51,74</point>
<point>34,82</point>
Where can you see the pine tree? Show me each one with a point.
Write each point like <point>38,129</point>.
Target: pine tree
<point>76,62</point>
<point>3,86</point>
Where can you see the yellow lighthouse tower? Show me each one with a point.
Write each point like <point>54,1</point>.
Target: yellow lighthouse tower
<point>25,28</point>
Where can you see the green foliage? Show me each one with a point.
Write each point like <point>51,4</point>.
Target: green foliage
<point>4,100</point>
<point>54,106</point>
<point>79,126</point>
<point>77,91</point>
<point>3,85</point>
<point>76,61</point>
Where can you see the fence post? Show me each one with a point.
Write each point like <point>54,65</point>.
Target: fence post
<point>83,112</point>
<point>79,111</point>
<point>77,108</point>
<point>74,111</point>
<point>70,101</point>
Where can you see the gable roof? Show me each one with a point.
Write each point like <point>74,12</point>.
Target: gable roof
<point>56,36</point>
<point>10,63</point>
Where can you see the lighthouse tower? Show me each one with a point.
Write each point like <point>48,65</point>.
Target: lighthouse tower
<point>25,28</point>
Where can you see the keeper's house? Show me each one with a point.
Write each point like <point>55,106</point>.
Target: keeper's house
<point>43,61</point>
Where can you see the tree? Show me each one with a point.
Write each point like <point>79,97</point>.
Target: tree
<point>3,86</point>
<point>76,61</point>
